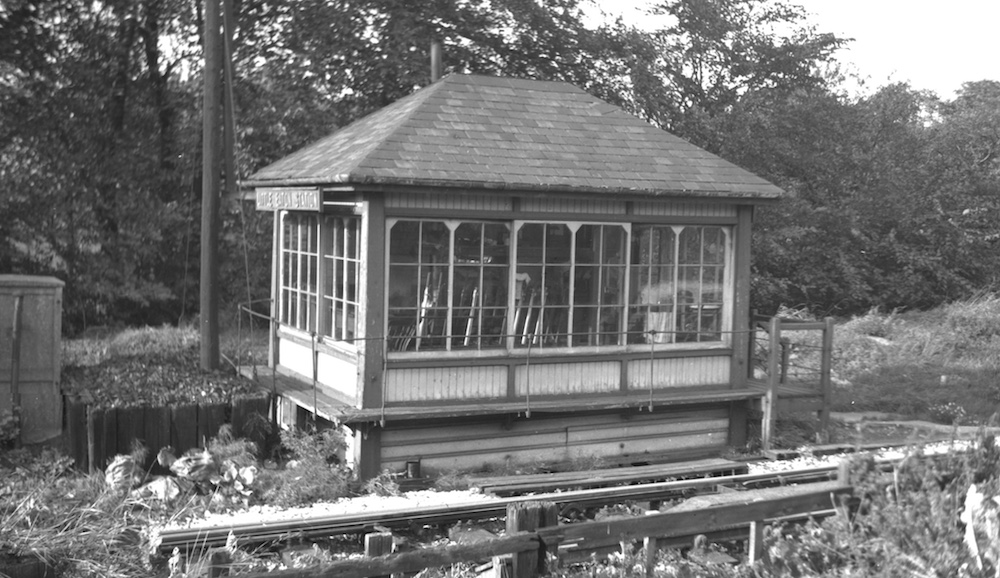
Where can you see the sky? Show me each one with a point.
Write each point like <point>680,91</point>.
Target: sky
<point>932,44</point>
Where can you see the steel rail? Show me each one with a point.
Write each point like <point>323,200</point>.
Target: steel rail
<point>276,530</point>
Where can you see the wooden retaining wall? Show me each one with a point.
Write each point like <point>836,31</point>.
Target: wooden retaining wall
<point>95,435</point>
<point>624,436</point>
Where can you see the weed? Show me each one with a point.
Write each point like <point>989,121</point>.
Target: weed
<point>384,484</point>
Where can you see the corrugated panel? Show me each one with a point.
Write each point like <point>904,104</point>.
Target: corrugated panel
<point>556,205</point>
<point>338,374</point>
<point>438,383</point>
<point>684,209</point>
<point>475,202</point>
<point>562,378</point>
<point>679,372</point>
<point>490,443</point>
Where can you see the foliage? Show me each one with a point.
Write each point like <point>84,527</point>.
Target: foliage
<point>313,470</point>
<point>133,372</point>
<point>921,363</point>
<point>73,522</point>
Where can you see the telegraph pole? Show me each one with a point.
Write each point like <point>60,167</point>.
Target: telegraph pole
<point>210,190</point>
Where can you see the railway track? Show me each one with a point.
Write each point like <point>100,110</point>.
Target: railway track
<point>315,527</point>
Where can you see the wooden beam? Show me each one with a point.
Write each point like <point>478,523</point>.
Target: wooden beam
<point>739,368</point>
<point>771,396</point>
<point>414,561</point>
<point>371,346</point>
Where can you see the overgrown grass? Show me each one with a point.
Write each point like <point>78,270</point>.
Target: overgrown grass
<point>97,347</point>
<point>922,364</point>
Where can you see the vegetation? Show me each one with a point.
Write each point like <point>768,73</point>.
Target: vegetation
<point>49,510</point>
<point>145,367</point>
<point>940,365</point>
<point>100,107</point>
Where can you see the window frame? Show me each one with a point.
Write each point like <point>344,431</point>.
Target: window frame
<point>396,339</point>
<point>624,343</point>
<point>322,298</point>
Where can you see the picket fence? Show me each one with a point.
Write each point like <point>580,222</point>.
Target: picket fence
<point>95,435</point>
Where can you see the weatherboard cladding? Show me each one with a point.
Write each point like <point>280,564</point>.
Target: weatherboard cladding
<point>513,134</point>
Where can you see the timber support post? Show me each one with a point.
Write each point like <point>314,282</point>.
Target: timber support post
<point>528,517</point>
<point>773,375</point>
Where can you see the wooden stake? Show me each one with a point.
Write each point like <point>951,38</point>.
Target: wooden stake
<point>378,544</point>
<point>755,548</point>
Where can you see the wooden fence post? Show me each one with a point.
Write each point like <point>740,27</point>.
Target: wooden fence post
<point>218,563</point>
<point>378,544</point>
<point>771,397</point>
<point>826,360</point>
<point>528,517</point>
<point>755,548</point>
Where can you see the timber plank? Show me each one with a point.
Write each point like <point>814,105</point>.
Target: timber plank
<point>414,561</point>
<point>76,432</point>
<point>210,419</point>
<point>595,478</point>
<point>107,434</point>
<point>156,428</point>
<point>183,427</point>
<point>701,517</point>
<point>123,432</point>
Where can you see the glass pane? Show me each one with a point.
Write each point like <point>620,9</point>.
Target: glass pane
<point>614,245</point>
<point>585,325</point>
<point>431,327</point>
<point>588,243</point>
<point>402,329</point>
<point>350,280</point>
<point>613,285</point>
<point>690,285</point>
<point>466,285</point>
<point>434,286</point>
<point>691,245</point>
<point>711,285</point>
<point>639,285</point>
<point>496,243</point>
<point>351,321</point>
<point>465,327</point>
<point>403,286</point>
<point>434,242</point>
<point>312,233</point>
<point>558,241</point>
<point>637,319</point>
<point>310,273</point>
<point>663,245</point>
<point>714,245</point>
<point>350,237</point>
<point>552,326</point>
<point>494,290</point>
<point>610,325</point>
<point>404,242</point>
<point>556,286</point>
<point>586,285</point>
<point>494,326</point>
<point>469,243</point>
<point>328,236</point>
<point>530,243</point>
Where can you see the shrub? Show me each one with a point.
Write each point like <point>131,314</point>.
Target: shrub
<point>313,472</point>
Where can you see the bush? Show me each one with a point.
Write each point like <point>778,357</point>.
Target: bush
<point>314,470</point>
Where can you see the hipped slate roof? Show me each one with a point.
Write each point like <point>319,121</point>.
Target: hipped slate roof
<point>475,131</point>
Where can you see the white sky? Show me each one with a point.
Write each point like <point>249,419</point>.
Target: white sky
<point>932,44</point>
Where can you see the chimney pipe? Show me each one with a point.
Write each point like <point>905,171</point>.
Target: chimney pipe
<point>435,61</point>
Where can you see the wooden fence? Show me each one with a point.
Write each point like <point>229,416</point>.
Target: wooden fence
<point>95,435</point>
<point>533,533</point>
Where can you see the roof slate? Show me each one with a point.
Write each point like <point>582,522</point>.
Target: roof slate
<point>512,134</point>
